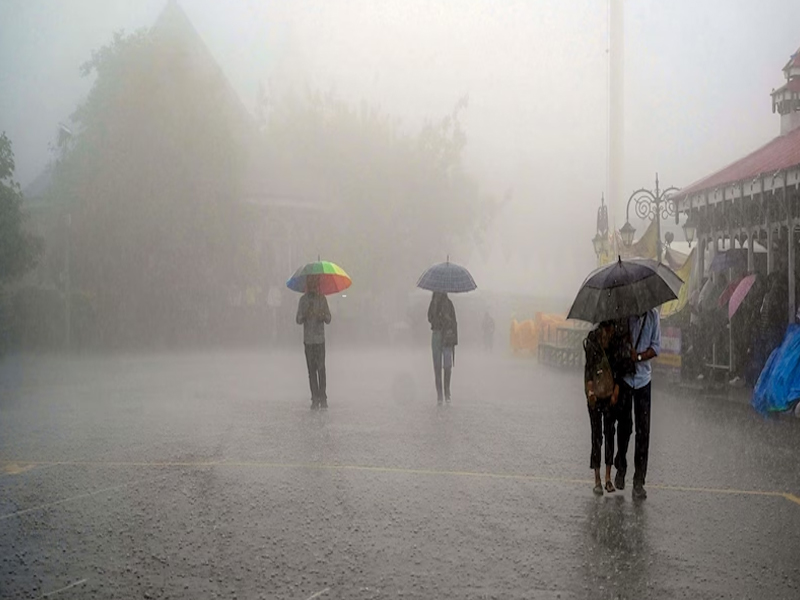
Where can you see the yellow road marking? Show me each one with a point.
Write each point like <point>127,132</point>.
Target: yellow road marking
<point>113,488</point>
<point>792,498</point>
<point>681,488</point>
<point>399,470</point>
<point>16,468</point>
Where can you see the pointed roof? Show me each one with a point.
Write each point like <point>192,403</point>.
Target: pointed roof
<point>174,27</point>
<point>794,61</point>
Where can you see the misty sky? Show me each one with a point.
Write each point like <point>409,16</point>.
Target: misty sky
<point>698,77</point>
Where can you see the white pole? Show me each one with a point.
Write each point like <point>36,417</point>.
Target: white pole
<point>616,113</point>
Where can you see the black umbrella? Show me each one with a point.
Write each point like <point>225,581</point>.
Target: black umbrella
<point>623,289</point>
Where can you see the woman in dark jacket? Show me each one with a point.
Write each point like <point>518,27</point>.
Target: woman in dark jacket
<point>444,337</point>
<point>601,395</point>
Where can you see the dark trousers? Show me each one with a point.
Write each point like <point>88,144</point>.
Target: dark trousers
<point>603,421</point>
<point>633,406</point>
<point>315,360</point>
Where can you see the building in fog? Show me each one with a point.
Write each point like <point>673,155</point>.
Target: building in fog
<point>752,204</point>
<point>756,198</point>
<point>285,209</point>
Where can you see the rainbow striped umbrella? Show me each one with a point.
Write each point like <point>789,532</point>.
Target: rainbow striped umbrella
<point>330,277</point>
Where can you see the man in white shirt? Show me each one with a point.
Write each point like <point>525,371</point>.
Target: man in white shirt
<point>634,400</point>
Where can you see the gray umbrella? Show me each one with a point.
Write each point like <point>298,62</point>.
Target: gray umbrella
<point>447,277</point>
<point>624,288</point>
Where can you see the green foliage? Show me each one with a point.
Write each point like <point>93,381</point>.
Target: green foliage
<point>151,178</point>
<point>19,250</point>
<point>401,200</point>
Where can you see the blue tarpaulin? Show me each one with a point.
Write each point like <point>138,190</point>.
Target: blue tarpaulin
<point>778,386</point>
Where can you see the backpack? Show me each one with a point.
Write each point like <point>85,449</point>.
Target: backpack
<point>450,325</point>
<point>602,377</point>
<point>450,334</point>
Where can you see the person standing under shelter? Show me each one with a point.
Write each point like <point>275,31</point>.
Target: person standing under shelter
<point>633,405</point>
<point>444,338</point>
<point>313,314</point>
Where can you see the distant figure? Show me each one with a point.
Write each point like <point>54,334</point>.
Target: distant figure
<point>313,314</point>
<point>488,331</point>
<point>602,391</point>
<point>444,338</point>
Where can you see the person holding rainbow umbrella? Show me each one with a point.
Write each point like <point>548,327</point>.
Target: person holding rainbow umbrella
<point>316,280</point>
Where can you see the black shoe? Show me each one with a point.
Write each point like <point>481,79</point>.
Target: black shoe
<point>314,404</point>
<point>619,481</point>
<point>639,492</point>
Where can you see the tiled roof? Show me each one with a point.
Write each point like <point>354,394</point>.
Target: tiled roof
<point>781,153</point>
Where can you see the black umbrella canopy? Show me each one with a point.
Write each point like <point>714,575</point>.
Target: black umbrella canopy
<point>671,277</point>
<point>623,289</point>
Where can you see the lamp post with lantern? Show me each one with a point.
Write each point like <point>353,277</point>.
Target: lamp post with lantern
<point>651,205</point>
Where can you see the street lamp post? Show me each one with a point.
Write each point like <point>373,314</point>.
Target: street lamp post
<point>650,205</point>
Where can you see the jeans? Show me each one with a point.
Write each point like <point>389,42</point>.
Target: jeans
<point>603,421</point>
<point>633,405</point>
<point>315,361</point>
<point>442,357</point>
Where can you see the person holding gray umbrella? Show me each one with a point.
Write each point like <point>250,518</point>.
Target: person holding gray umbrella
<point>444,338</point>
<point>442,279</point>
<point>630,292</point>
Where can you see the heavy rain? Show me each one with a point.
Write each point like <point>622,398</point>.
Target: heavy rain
<point>399,299</point>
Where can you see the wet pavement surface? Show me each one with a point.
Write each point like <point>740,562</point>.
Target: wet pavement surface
<point>207,476</point>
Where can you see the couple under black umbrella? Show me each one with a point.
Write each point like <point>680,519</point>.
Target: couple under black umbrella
<point>622,298</point>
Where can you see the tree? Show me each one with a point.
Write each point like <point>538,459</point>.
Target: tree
<point>19,249</point>
<point>400,200</point>
<point>151,178</point>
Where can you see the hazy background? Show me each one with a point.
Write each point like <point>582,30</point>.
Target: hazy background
<point>698,77</point>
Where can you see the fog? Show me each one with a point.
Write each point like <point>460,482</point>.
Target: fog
<point>235,236</point>
<point>535,75</point>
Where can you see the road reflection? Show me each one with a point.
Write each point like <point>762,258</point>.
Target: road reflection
<point>616,546</point>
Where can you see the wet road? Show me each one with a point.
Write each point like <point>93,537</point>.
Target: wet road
<point>207,476</point>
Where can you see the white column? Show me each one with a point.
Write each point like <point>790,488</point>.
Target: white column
<point>770,253</point>
<point>616,108</point>
<point>701,258</point>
